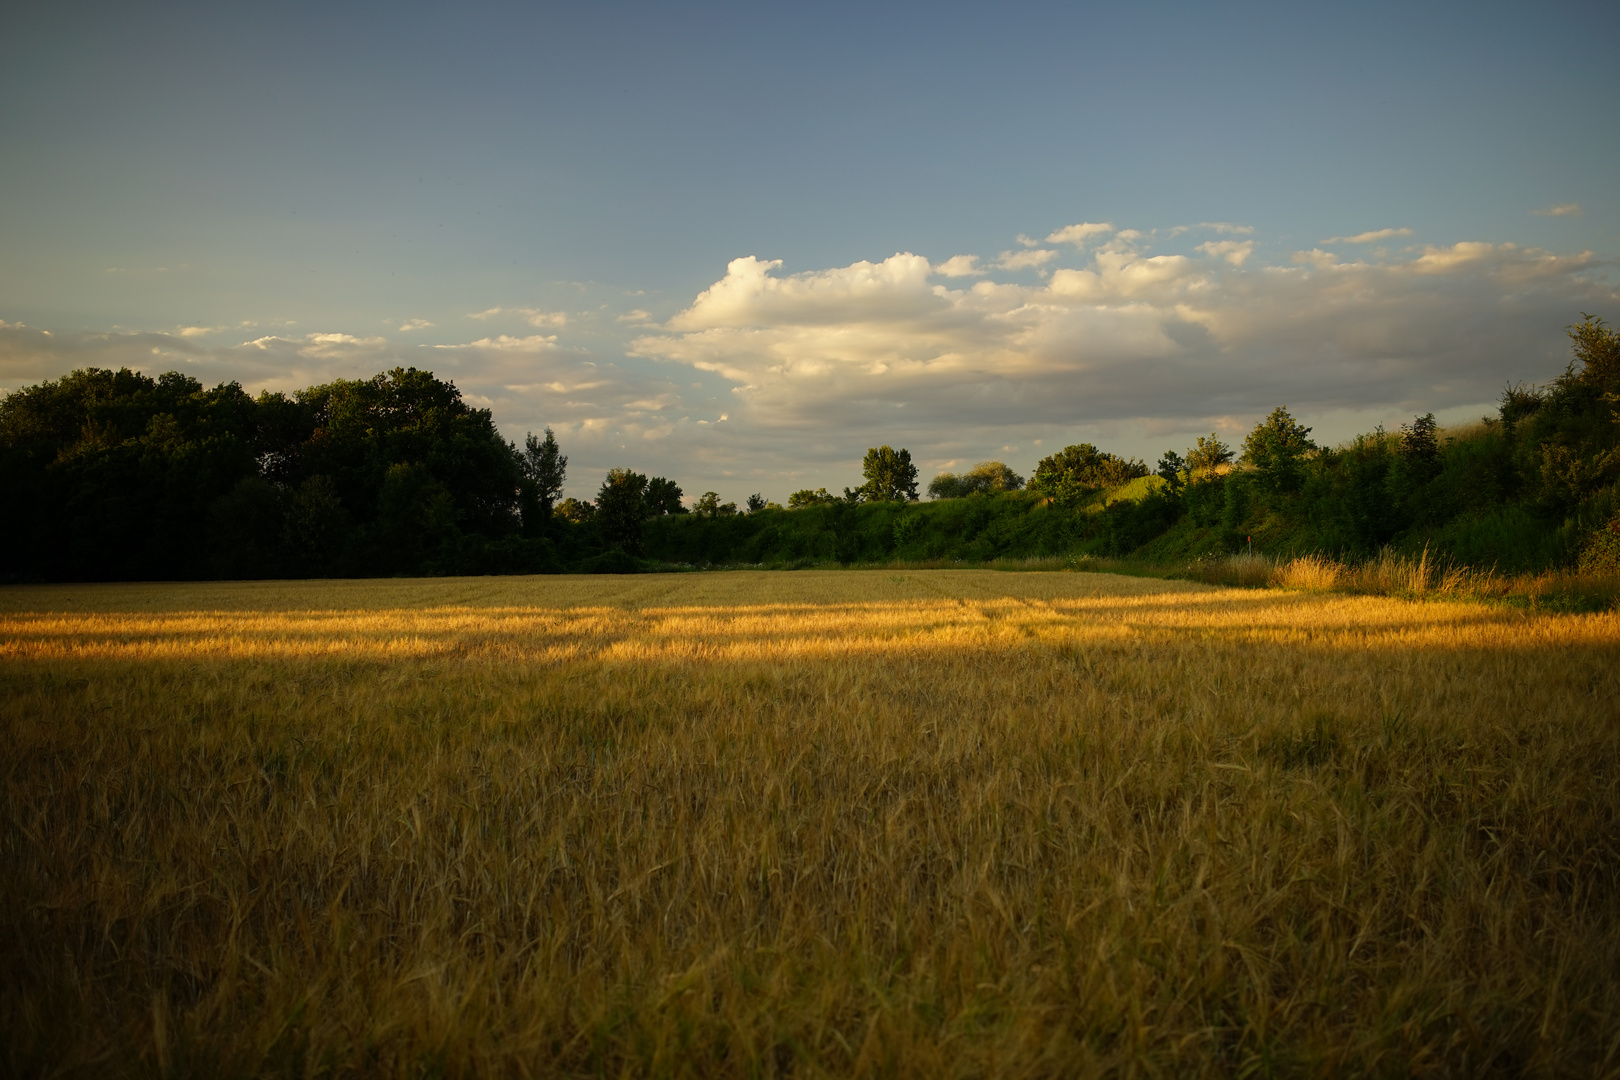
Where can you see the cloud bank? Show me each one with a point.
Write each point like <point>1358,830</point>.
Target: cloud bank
<point>1113,334</point>
<point>1170,341</point>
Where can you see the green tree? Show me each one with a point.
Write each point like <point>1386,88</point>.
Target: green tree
<point>576,511</point>
<point>987,477</point>
<point>710,506</point>
<point>1419,448</point>
<point>890,476</point>
<point>621,507</point>
<point>1171,468</point>
<point>1074,472</point>
<point>545,468</point>
<point>756,502</point>
<point>1596,345</point>
<point>805,497</point>
<point>1205,458</point>
<point>363,428</point>
<point>1276,448</point>
<point>664,497</point>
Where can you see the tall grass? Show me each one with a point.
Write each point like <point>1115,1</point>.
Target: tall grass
<point>890,823</point>
<point>1391,573</point>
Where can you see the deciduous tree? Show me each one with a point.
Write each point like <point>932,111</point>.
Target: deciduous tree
<point>545,468</point>
<point>890,476</point>
<point>1276,448</point>
<point>621,507</point>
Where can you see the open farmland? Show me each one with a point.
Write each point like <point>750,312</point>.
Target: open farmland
<point>933,823</point>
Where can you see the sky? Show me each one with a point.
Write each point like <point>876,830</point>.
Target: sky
<point>736,245</point>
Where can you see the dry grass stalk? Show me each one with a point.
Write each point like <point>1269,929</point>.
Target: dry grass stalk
<point>1313,573</point>
<point>869,824</point>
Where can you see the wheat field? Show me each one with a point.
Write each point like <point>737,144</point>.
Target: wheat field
<point>823,823</point>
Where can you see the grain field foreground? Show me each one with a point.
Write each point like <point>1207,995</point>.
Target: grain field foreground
<point>934,823</point>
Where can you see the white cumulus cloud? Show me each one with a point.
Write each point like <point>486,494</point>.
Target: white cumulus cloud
<point>1162,339</point>
<point>960,266</point>
<point>1023,260</point>
<point>1235,252</point>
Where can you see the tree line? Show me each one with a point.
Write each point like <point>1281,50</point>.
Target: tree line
<point>118,475</point>
<point>1533,487</point>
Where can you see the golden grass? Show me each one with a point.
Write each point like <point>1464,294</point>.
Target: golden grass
<point>900,823</point>
<point>1391,573</point>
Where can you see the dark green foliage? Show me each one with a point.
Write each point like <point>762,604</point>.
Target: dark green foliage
<point>114,475</point>
<point>1172,467</point>
<point>755,502</point>
<point>805,497</point>
<point>545,468</point>
<point>1276,448</point>
<point>621,507</point>
<point>1350,493</point>
<point>710,506</point>
<point>117,475</point>
<point>664,497</point>
<point>1420,448</point>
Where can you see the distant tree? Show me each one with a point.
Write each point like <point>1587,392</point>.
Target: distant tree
<point>664,497</point>
<point>621,507</point>
<point>1171,466</point>
<point>1519,401</point>
<point>890,476</point>
<point>1597,348</point>
<point>545,467</point>
<point>710,506</point>
<point>1205,458</point>
<point>805,497</point>
<point>576,511</point>
<point>756,502</point>
<point>987,477</point>
<point>1073,472</point>
<point>1276,448</point>
<point>1419,448</point>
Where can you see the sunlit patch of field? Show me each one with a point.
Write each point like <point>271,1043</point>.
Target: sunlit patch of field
<point>928,823</point>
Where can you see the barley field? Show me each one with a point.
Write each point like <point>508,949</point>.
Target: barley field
<point>823,823</point>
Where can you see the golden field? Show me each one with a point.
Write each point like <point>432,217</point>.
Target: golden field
<point>877,823</point>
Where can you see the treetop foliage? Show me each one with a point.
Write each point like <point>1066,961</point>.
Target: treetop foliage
<point>890,476</point>
<point>710,506</point>
<point>1206,457</point>
<point>987,478</point>
<point>545,468</point>
<point>1072,473</point>
<point>1596,347</point>
<point>805,497</point>
<point>1276,448</point>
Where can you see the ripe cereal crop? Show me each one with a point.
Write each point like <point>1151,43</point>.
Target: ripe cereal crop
<point>899,823</point>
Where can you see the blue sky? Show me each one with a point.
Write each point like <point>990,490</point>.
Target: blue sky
<point>554,205</point>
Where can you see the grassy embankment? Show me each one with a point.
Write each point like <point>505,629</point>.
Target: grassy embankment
<point>907,824</point>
